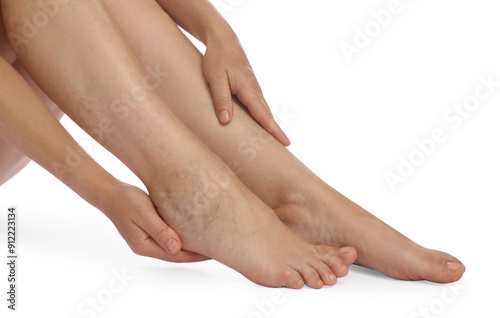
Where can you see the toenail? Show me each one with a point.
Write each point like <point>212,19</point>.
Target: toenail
<point>343,268</point>
<point>301,283</point>
<point>172,246</point>
<point>452,266</point>
<point>332,277</point>
<point>320,282</point>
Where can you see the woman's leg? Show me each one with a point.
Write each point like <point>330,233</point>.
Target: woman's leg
<point>309,206</point>
<point>81,61</point>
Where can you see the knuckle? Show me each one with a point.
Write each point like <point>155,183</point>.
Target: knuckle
<point>222,99</point>
<point>253,100</point>
<point>310,259</point>
<point>247,71</point>
<point>264,117</point>
<point>217,76</point>
<point>162,235</point>
<point>247,68</point>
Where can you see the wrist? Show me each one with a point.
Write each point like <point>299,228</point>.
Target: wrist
<point>111,193</point>
<point>219,35</point>
<point>106,194</point>
<point>93,184</point>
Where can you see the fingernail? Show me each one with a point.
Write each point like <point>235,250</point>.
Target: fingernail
<point>452,267</point>
<point>224,116</point>
<point>287,140</point>
<point>172,246</point>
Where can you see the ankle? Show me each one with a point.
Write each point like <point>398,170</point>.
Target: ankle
<point>190,184</point>
<point>293,195</point>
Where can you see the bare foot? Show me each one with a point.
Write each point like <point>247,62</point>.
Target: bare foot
<point>215,215</point>
<point>321,215</point>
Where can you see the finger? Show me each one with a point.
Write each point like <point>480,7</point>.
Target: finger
<point>152,249</point>
<point>143,244</point>
<point>259,110</point>
<point>165,236</point>
<point>221,95</point>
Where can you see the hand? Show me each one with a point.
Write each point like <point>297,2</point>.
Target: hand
<point>228,71</point>
<point>135,217</point>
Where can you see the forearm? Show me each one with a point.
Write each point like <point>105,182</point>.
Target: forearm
<point>27,124</point>
<point>200,18</point>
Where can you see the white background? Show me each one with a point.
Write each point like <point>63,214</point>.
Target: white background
<point>349,122</point>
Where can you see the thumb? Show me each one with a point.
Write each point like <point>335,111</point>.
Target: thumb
<point>164,235</point>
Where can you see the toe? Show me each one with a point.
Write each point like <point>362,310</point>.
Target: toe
<point>310,276</point>
<point>440,267</point>
<point>292,279</point>
<point>338,267</point>
<point>348,255</point>
<point>325,272</point>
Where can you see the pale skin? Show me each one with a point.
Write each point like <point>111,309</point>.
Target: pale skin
<point>173,141</point>
<point>29,120</point>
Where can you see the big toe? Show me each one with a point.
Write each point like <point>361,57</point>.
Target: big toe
<point>440,267</point>
<point>292,279</point>
<point>347,254</point>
